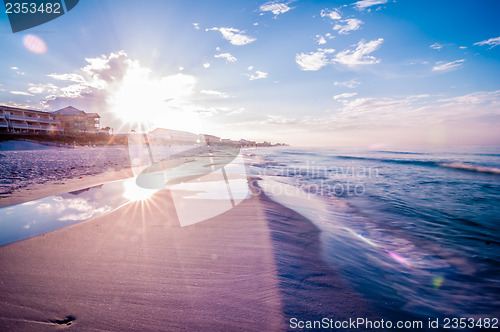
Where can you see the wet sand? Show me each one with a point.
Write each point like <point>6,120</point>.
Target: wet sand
<point>251,268</point>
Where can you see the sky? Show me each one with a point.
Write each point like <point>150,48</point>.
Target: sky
<point>368,73</point>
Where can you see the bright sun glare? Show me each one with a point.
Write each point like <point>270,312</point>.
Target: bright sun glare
<point>144,100</point>
<point>135,193</point>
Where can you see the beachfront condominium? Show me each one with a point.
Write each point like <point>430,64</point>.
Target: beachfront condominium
<point>20,120</point>
<point>69,121</point>
<point>75,121</point>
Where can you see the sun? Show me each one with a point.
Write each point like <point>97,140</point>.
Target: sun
<point>144,101</point>
<point>134,193</point>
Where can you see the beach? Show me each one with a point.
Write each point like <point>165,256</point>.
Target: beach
<point>304,246</point>
<point>31,170</point>
<point>252,268</point>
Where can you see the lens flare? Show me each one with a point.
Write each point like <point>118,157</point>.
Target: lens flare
<point>398,258</point>
<point>437,282</point>
<point>34,44</point>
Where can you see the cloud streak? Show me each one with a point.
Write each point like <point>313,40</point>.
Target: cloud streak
<point>215,93</point>
<point>227,56</point>
<point>448,66</point>
<point>363,4</point>
<point>436,46</point>
<point>22,93</point>
<point>345,95</point>
<point>493,42</point>
<point>351,84</point>
<point>234,36</point>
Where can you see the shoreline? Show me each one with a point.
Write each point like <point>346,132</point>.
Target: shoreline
<point>311,289</point>
<point>36,191</point>
<point>253,267</point>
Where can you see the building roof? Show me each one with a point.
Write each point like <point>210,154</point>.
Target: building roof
<point>70,110</point>
<point>93,115</point>
<point>10,108</point>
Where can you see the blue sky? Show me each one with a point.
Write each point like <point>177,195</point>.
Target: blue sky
<point>363,73</point>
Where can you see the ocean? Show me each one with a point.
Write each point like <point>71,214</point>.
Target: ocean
<point>416,232</point>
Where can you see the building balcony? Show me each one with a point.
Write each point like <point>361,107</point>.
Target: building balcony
<point>17,117</point>
<point>17,125</point>
<point>4,124</point>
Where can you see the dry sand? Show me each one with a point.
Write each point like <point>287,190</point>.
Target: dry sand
<point>249,269</point>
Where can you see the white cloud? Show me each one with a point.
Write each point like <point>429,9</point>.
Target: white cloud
<point>22,93</point>
<point>492,42</point>
<point>351,24</point>
<point>250,68</point>
<point>320,40</point>
<point>235,36</point>
<point>442,65</point>
<point>196,26</point>
<point>275,7</point>
<point>363,4</point>
<point>17,70</point>
<point>480,97</point>
<point>226,56</point>
<point>359,56</point>
<point>73,91</point>
<point>332,14</point>
<point>436,46</point>
<point>323,39</point>
<point>351,84</point>
<point>215,93</point>
<point>43,88</point>
<point>68,77</point>
<point>313,61</point>
<point>257,75</point>
<point>345,95</point>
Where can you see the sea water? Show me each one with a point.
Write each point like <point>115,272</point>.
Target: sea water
<point>417,232</point>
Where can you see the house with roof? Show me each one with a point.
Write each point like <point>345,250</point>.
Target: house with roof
<point>75,121</point>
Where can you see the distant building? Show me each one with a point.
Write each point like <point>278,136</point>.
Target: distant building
<point>75,121</point>
<point>13,119</point>
<point>244,142</point>
<point>211,139</point>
